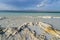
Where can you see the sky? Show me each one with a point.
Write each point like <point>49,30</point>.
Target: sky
<point>43,5</point>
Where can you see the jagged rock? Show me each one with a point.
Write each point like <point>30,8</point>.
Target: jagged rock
<point>49,29</point>
<point>29,35</point>
<point>23,32</point>
<point>54,38</point>
<point>1,18</point>
<point>41,37</point>
<point>31,24</point>
<point>10,31</point>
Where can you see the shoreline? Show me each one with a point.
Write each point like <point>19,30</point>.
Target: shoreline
<point>17,21</point>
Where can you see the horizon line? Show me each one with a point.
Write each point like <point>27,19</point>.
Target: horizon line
<point>29,11</point>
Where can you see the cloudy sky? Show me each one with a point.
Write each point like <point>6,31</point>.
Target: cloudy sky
<point>53,5</point>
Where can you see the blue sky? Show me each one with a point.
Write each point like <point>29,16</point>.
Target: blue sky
<point>43,5</point>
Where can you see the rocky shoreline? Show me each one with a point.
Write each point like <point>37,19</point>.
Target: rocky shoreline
<point>23,32</point>
<point>26,29</point>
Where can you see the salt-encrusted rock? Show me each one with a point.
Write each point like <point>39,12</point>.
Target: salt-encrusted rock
<point>23,26</point>
<point>49,29</point>
<point>9,31</point>
<point>29,35</point>
<point>1,18</point>
<point>41,37</point>
<point>30,24</point>
<point>54,38</point>
<point>23,32</point>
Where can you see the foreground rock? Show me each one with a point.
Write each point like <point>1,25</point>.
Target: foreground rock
<point>49,29</point>
<point>23,32</point>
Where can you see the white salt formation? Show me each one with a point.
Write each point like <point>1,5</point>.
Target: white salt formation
<point>49,29</point>
<point>24,32</point>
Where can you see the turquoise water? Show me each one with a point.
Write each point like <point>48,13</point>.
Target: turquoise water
<point>27,14</point>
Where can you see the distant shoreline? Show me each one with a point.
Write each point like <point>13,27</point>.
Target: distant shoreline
<point>30,11</point>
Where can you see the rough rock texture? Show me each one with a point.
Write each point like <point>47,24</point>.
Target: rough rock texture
<point>12,29</point>
<point>25,34</point>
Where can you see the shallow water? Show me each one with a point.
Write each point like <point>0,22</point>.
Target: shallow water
<point>27,14</point>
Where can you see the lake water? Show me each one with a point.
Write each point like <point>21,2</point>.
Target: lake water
<point>27,14</point>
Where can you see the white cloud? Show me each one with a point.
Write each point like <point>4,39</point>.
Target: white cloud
<point>43,3</point>
<point>7,7</point>
<point>46,2</point>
